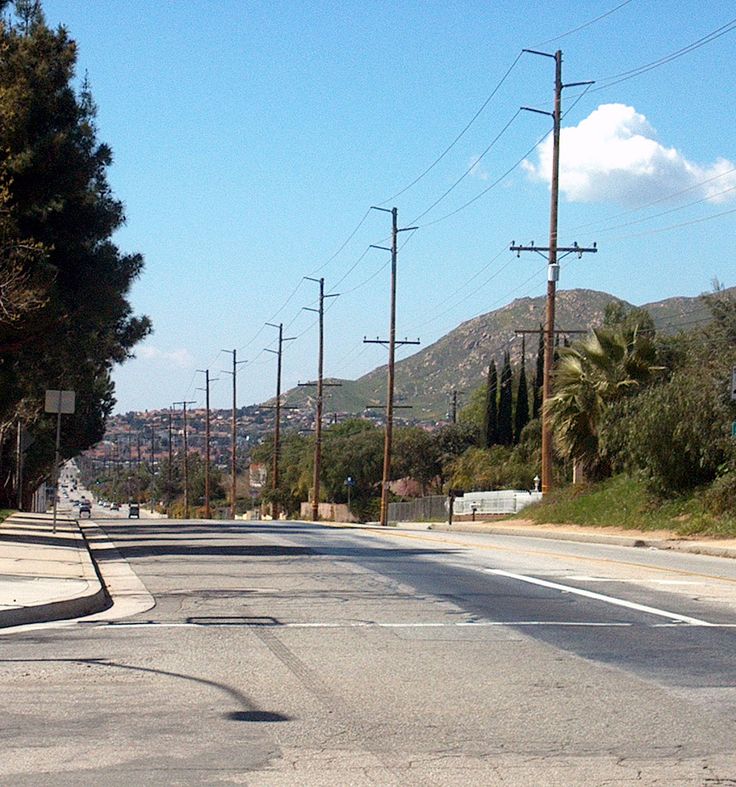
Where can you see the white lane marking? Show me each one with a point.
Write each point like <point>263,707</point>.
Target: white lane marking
<point>619,602</point>
<point>348,625</point>
<point>635,581</point>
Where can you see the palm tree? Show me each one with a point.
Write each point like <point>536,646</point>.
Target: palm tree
<point>591,374</point>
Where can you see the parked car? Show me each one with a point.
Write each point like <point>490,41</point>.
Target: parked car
<point>114,507</point>
<point>134,511</point>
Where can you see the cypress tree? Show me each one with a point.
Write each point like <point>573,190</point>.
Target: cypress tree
<point>521,418</point>
<point>490,420</point>
<point>539,377</point>
<point>505,403</point>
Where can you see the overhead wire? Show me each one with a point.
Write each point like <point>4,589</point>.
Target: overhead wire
<point>584,25</point>
<point>505,174</point>
<point>650,204</point>
<point>615,79</point>
<point>459,136</point>
<point>677,226</point>
<point>436,316</point>
<point>468,170</point>
<point>667,212</point>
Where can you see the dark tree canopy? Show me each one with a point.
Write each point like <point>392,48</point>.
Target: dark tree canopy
<point>490,419</point>
<point>69,319</point>
<point>505,403</point>
<point>521,414</point>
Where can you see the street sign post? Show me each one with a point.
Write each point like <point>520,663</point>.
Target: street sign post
<point>59,402</point>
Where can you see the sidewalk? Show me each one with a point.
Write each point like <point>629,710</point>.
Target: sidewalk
<point>45,575</point>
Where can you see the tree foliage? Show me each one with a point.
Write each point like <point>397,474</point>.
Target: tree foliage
<point>521,412</point>
<point>592,374</point>
<point>506,403</point>
<point>677,434</point>
<point>65,318</point>
<point>490,420</point>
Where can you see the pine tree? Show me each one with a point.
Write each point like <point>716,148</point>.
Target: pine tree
<point>505,403</point>
<point>71,282</point>
<point>539,377</point>
<point>521,416</point>
<point>490,420</point>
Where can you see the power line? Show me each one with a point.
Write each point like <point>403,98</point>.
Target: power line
<point>343,245</point>
<point>677,226</point>
<point>485,267</point>
<point>469,169</point>
<point>584,25</point>
<point>505,174</point>
<point>664,198</point>
<point>615,79</point>
<point>458,137</point>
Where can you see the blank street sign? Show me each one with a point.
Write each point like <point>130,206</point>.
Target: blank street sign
<point>60,402</point>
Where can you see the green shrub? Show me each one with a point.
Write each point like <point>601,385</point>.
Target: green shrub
<point>720,497</point>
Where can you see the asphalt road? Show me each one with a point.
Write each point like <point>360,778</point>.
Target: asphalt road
<point>293,654</point>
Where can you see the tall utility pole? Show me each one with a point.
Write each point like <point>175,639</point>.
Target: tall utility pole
<point>320,397</point>
<point>153,465</point>
<point>553,267</point>
<point>391,361</point>
<point>233,434</point>
<point>186,461</point>
<point>138,469</point>
<point>171,447</point>
<point>277,426</point>
<point>206,389</point>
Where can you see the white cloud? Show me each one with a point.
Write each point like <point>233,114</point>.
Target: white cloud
<point>613,155</point>
<point>180,359</point>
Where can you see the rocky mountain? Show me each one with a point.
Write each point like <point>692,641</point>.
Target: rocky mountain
<point>459,360</point>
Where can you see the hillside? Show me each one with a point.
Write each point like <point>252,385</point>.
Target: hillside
<point>459,359</point>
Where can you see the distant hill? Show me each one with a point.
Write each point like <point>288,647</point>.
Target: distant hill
<point>460,358</point>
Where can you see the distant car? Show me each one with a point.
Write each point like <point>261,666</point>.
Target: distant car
<point>134,511</point>
<point>114,507</point>
<point>75,503</point>
<point>85,508</point>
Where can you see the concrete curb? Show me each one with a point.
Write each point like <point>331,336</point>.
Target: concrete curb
<point>93,599</point>
<point>588,538</point>
<point>638,540</point>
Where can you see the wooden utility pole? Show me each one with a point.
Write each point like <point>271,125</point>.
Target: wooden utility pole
<point>206,389</point>
<point>553,267</point>
<point>186,461</point>
<point>388,440</point>
<point>277,426</point>
<point>233,434</point>
<point>171,449</point>
<point>316,471</point>
<point>153,466</point>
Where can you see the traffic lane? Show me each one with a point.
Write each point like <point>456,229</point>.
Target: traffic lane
<point>429,578</point>
<point>651,585</point>
<point>650,644</point>
<point>271,667</point>
<point>706,586</point>
<point>197,705</point>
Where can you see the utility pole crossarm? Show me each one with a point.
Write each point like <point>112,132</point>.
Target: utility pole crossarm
<point>551,253</point>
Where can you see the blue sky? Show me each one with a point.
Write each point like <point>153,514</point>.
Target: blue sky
<point>250,139</point>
